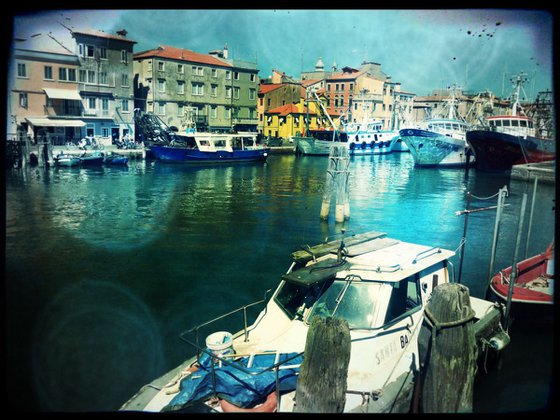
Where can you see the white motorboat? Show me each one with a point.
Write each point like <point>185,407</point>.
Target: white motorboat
<point>379,285</point>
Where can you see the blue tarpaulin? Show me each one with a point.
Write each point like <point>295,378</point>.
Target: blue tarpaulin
<point>235,386</point>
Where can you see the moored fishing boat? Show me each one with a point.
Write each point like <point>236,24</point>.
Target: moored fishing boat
<point>368,138</point>
<point>67,159</point>
<point>115,159</point>
<point>533,283</point>
<point>379,285</point>
<point>439,141</point>
<point>92,159</point>
<point>509,140</point>
<point>318,142</point>
<point>212,148</point>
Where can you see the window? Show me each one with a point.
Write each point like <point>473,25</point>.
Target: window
<point>81,50</point>
<point>102,77</point>
<point>197,89</point>
<point>103,53</point>
<point>91,103</point>
<point>236,75</point>
<point>197,71</point>
<point>213,111</point>
<point>236,92</point>
<point>124,105</point>
<point>214,90</point>
<point>124,56</point>
<point>105,104</point>
<point>180,69</point>
<point>90,51</point>
<point>351,86</point>
<point>48,73</point>
<point>228,75</point>
<point>124,79</point>
<point>83,76</point>
<point>161,66</point>
<point>23,100</point>
<point>105,132</point>
<point>404,297</point>
<point>22,70</point>
<point>180,87</point>
<point>252,93</point>
<point>72,75</point>
<point>252,77</point>
<point>214,72</point>
<point>63,73</point>
<point>227,112</point>
<point>161,108</point>
<point>161,85</point>
<point>228,92</point>
<point>91,76</point>
<point>180,110</point>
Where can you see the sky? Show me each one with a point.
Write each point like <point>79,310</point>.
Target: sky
<point>424,50</point>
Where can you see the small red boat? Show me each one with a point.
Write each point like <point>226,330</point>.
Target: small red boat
<point>534,282</point>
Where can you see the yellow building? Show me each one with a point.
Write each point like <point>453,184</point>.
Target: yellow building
<point>290,119</point>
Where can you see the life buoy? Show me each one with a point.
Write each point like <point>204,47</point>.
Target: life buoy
<point>268,406</point>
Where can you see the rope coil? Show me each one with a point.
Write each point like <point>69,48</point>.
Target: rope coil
<point>437,325</point>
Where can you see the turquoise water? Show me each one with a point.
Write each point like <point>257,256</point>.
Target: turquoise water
<point>106,266</point>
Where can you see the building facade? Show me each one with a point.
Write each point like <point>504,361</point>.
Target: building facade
<point>182,86</point>
<point>43,95</point>
<point>105,82</point>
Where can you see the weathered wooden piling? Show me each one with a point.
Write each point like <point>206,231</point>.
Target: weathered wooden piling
<point>448,351</point>
<point>337,178</point>
<point>322,382</point>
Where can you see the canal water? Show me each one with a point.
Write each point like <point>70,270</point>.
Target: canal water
<point>105,267</point>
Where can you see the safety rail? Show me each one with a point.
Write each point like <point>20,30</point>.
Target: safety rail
<point>428,252</point>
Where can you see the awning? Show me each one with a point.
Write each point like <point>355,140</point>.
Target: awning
<point>63,94</point>
<point>47,122</point>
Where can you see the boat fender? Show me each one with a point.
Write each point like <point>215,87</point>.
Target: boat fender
<point>372,144</point>
<point>499,341</point>
<point>363,145</point>
<point>268,406</point>
<point>352,146</point>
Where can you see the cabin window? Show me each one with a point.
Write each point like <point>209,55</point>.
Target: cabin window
<point>404,297</point>
<point>498,123</point>
<point>506,123</point>
<point>523,123</point>
<point>357,305</point>
<point>448,126</point>
<point>515,123</point>
<point>293,297</point>
<point>530,124</point>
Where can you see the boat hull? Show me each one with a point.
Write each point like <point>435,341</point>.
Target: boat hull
<point>67,161</point>
<point>371,143</point>
<point>186,155</point>
<point>496,151</point>
<point>433,149</point>
<point>313,147</point>
<point>533,284</point>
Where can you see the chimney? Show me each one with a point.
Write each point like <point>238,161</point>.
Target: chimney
<point>122,32</point>
<point>225,51</point>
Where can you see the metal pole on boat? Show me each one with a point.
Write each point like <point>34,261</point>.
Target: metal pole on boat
<point>499,208</point>
<point>531,216</point>
<point>464,238</point>
<point>513,274</point>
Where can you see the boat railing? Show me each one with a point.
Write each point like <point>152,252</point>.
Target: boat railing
<point>223,359</point>
<point>425,254</point>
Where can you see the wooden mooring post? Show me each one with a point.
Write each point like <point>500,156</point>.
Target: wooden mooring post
<point>448,351</point>
<point>322,381</point>
<point>338,179</point>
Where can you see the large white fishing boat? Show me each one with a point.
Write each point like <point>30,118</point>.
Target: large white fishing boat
<point>379,285</point>
<point>369,138</point>
<point>439,141</point>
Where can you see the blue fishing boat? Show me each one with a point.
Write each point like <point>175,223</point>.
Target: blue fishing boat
<point>212,148</point>
<point>115,159</point>
<point>368,138</point>
<point>93,159</point>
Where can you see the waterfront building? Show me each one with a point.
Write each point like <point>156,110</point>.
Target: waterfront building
<point>43,96</point>
<point>179,85</point>
<point>291,119</point>
<point>274,95</point>
<point>105,82</point>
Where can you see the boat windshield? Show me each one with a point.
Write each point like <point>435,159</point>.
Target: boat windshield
<point>356,305</point>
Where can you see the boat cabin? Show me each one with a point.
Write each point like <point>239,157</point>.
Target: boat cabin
<point>516,125</point>
<point>210,142</point>
<point>445,126</point>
